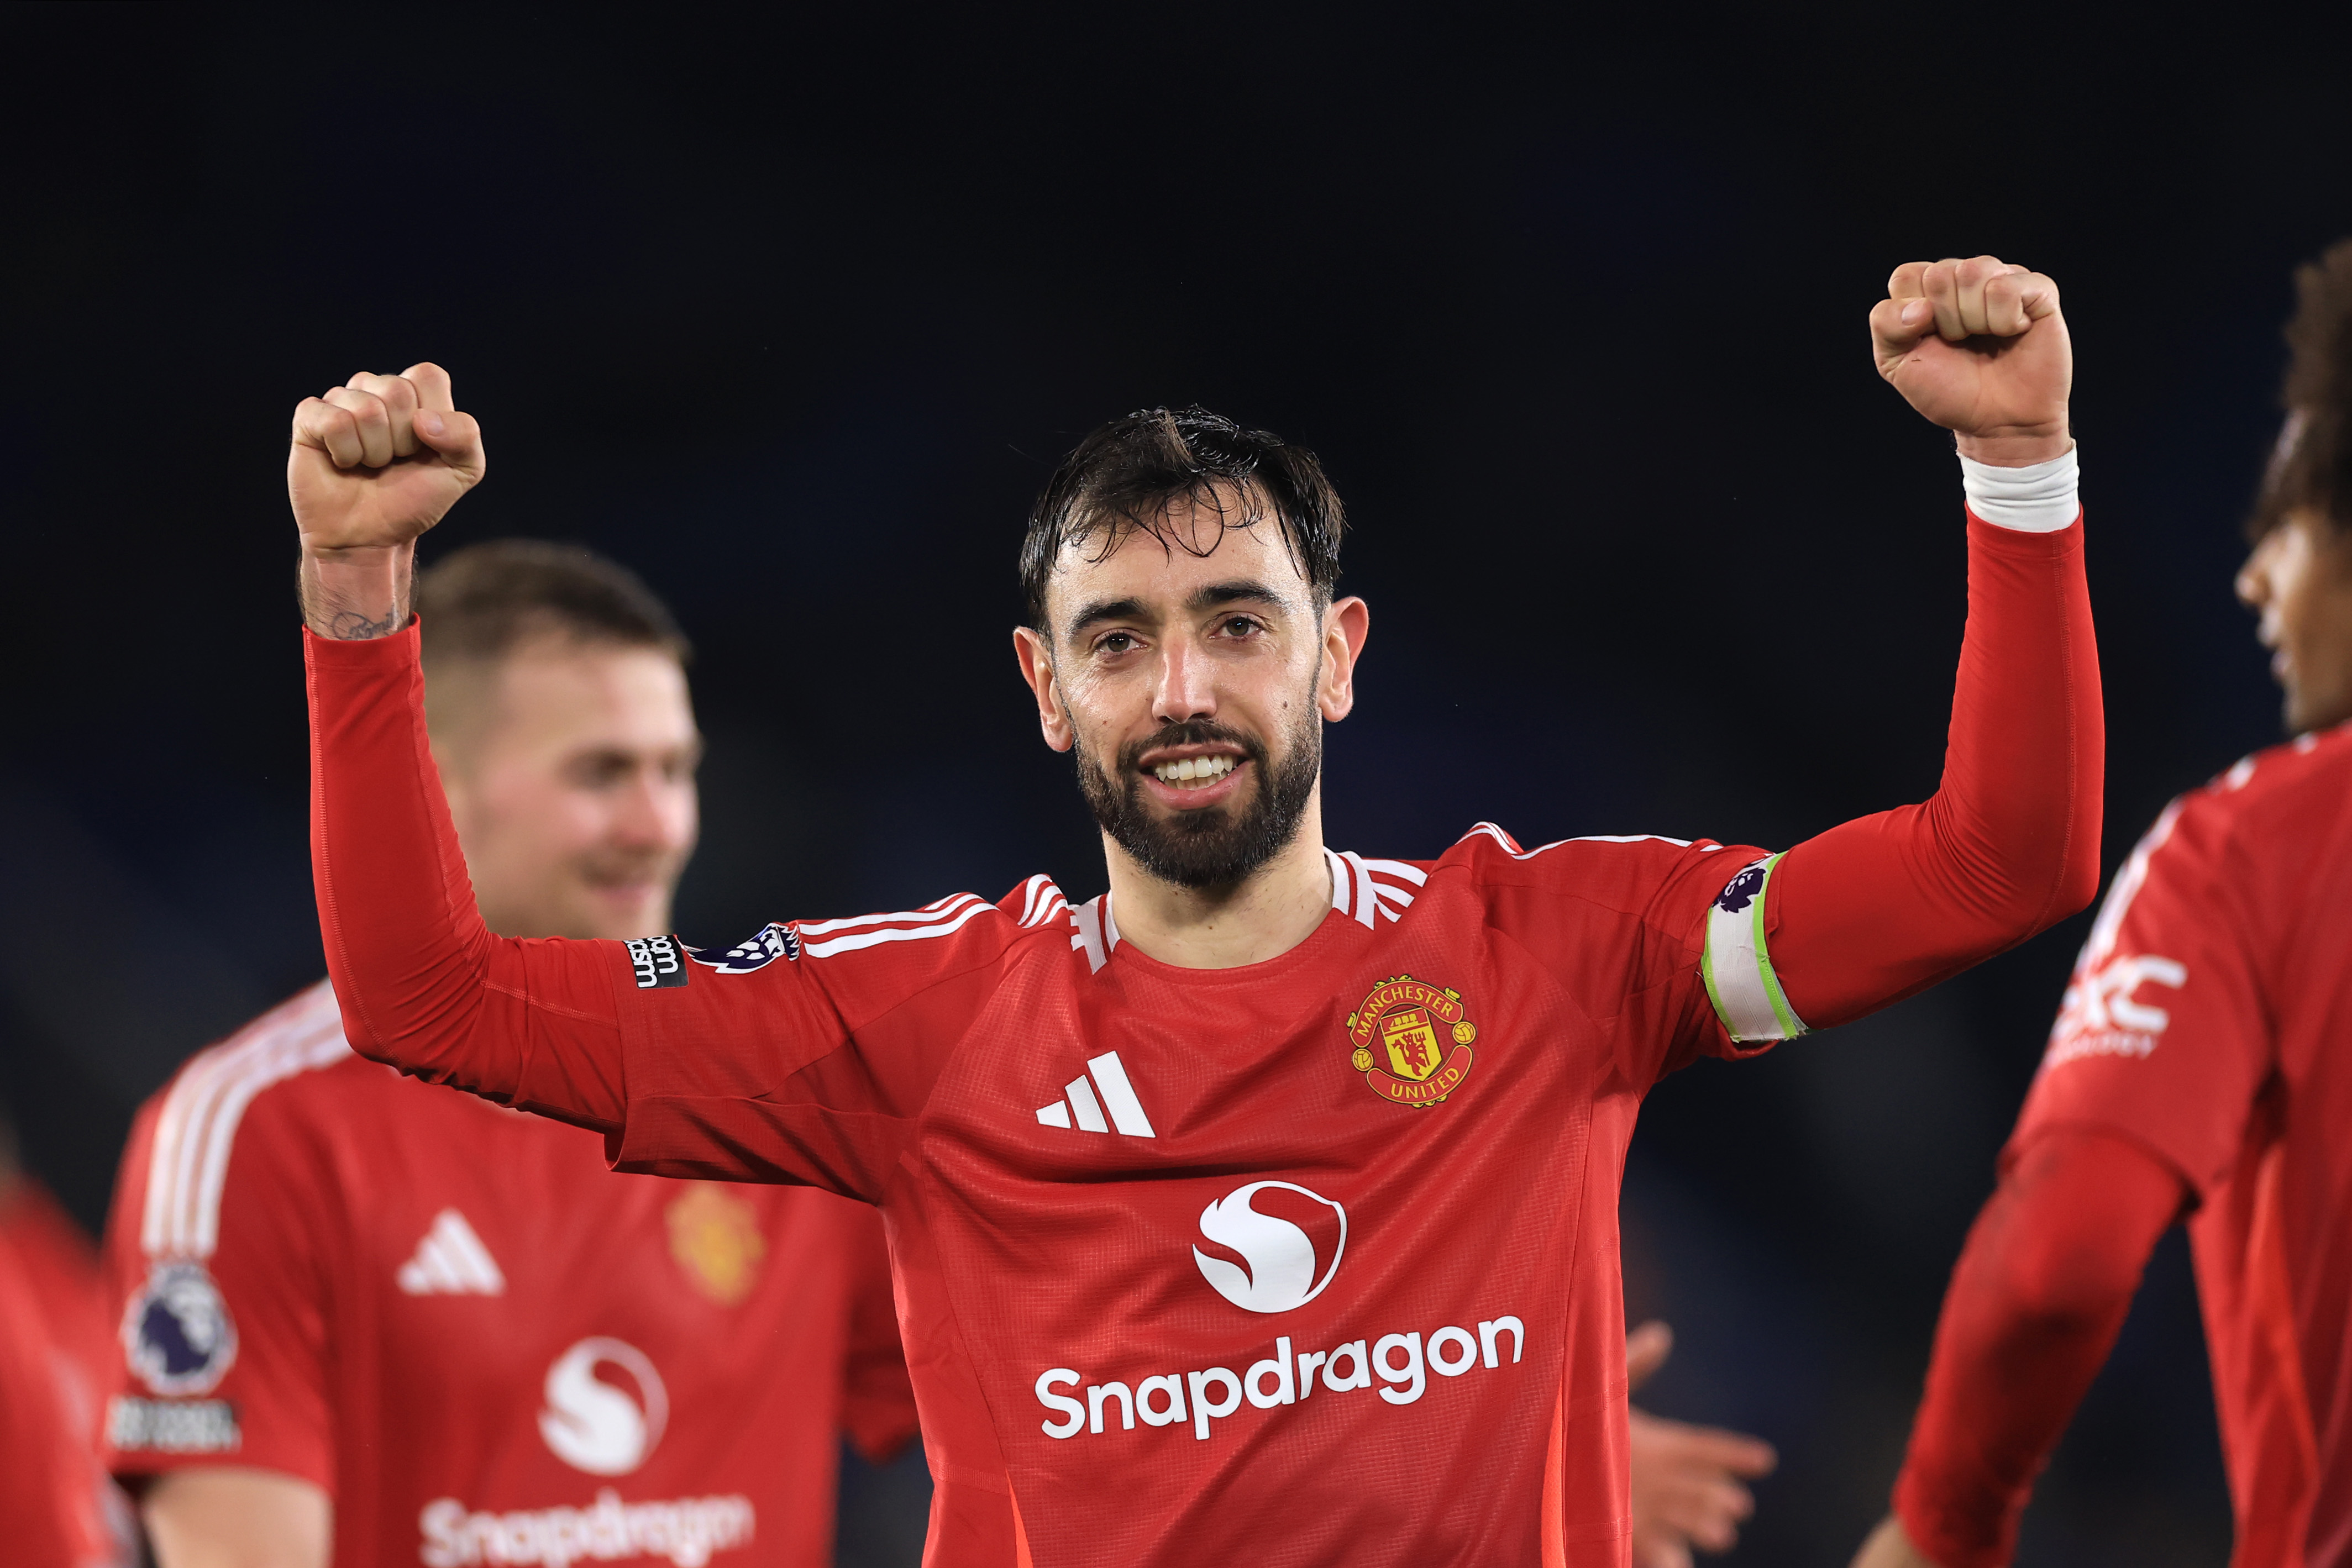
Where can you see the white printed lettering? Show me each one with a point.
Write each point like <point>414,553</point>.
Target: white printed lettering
<point>1072,1412</point>
<point>1410,1373</point>
<point>1202,1409</point>
<point>1278,1366</point>
<point>686,1532</point>
<point>1172,1386</point>
<point>1100,1393</point>
<point>1359,1378</point>
<point>1447,1336</point>
<point>1397,1364</point>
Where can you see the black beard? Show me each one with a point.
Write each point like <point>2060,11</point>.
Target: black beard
<point>1218,846</point>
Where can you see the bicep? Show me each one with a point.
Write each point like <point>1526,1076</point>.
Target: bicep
<point>2073,1222</point>
<point>810,1068</point>
<point>1866,913</point>
<point>232,1516</point>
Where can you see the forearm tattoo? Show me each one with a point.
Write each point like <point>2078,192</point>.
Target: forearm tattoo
<point>351,626</point>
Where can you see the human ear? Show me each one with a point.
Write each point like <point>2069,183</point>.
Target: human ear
<point>1037,668</point>
<point>1345,626</point>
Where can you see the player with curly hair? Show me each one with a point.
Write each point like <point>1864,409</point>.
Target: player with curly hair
<point>2198,1069</point>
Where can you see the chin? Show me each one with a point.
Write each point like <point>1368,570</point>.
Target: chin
<point>618,915</point>
<point>2306,711</point>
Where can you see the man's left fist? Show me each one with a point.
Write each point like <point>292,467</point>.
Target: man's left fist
<point>1980,347</point>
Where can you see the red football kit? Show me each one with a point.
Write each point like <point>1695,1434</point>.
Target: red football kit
<point>485,1347</point>
<point>1310,1261</point>
<point>2200,1049</point>
<point>48,1487</point>
<point>60,1268</point>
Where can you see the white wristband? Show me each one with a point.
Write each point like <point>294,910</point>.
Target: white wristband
<point>2040,500</point>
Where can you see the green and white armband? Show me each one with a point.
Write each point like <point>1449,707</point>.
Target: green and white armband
<point>1736,967</point>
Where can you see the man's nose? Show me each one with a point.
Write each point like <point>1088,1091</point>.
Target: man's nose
<point>1187,688</point>
<point>2254,584</point>
<point>656,813</point>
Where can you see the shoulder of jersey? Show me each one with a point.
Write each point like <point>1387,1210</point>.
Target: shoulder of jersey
<point>198,1115</point>
<point>2309,773</point>
<point>1363,888</point>
<point>1490,854</point>
<point>1366,889</point>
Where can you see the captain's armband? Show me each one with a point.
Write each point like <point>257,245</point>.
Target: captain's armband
<point>1736,967</point>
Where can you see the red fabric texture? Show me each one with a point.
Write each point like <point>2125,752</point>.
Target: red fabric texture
<point>935,1061</point>
<point>61,1265</point>
<point>408,1271</point>
<point>2204,1022</point>
<point>2035,1302</point>
<point>1884,906</point>
<point>47,1494</point>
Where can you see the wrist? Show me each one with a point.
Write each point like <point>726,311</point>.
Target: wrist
<point>2030,499</point>
<point>356,593</point>
<point>2015,448</point>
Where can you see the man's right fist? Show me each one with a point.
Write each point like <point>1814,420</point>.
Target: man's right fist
<point>379,459</point>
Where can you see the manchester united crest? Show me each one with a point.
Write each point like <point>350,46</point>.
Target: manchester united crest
<point>1412,1041</point>
<point>714,1236</point>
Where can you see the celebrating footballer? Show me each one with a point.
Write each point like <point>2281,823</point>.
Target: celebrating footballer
<point>1264,1207</point>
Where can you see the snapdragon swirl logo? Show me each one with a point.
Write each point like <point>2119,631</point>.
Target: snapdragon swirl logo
<point>1280,1275</point>
<point>592,1424</point>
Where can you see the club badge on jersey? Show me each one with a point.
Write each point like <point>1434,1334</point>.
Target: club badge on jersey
<point>1398,1046</point>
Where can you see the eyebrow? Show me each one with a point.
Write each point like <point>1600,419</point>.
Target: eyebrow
<point>1208,597</point>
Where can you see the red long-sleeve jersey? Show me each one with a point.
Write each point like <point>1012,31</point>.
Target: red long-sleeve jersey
<point>2198,1061</point>
<point>478,1342</point>
<point>1309,1261</point>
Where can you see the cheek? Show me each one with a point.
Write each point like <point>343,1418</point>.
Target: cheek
<point>1102,705</point>
<point>684,815</point>
<point>541,822</point>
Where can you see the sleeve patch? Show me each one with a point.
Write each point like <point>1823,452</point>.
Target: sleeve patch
<point>177,1334</point>
<point>1736,967</point>
<point>172,1426</point>
<point>656,961</point>
<point>772,942</point>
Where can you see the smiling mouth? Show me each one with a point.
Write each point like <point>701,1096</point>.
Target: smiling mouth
<point>1194,772</point>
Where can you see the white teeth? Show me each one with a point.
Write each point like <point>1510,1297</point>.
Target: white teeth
<point>1195,770</point>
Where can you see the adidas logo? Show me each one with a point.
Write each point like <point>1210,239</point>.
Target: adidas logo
<point>451,1261</point>
<point>1118,1096</point>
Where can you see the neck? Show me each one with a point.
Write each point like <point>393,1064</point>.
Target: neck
<point>1263,916</point>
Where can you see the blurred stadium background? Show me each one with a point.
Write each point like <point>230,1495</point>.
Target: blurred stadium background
<point>794,319</point>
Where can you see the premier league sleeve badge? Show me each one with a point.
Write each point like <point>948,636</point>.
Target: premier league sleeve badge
<point>177,1334</point>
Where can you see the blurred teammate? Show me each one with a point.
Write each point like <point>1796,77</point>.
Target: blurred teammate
<point>1263,1208</point>
<point>367,1323</point>
<point>57,1510</point>
<point>2201,1064</point>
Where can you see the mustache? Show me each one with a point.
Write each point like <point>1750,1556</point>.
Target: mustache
<point>1189,732</point>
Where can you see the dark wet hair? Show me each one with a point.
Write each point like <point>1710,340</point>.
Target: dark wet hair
<point>1121,478</point>
<point>477,602</point>
<point>2310,467</point>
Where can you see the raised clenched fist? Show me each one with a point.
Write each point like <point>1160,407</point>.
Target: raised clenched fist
<point>379,460</point>
<point>1979,348</point>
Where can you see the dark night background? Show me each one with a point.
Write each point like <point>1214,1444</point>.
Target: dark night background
<point>796,320</point>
